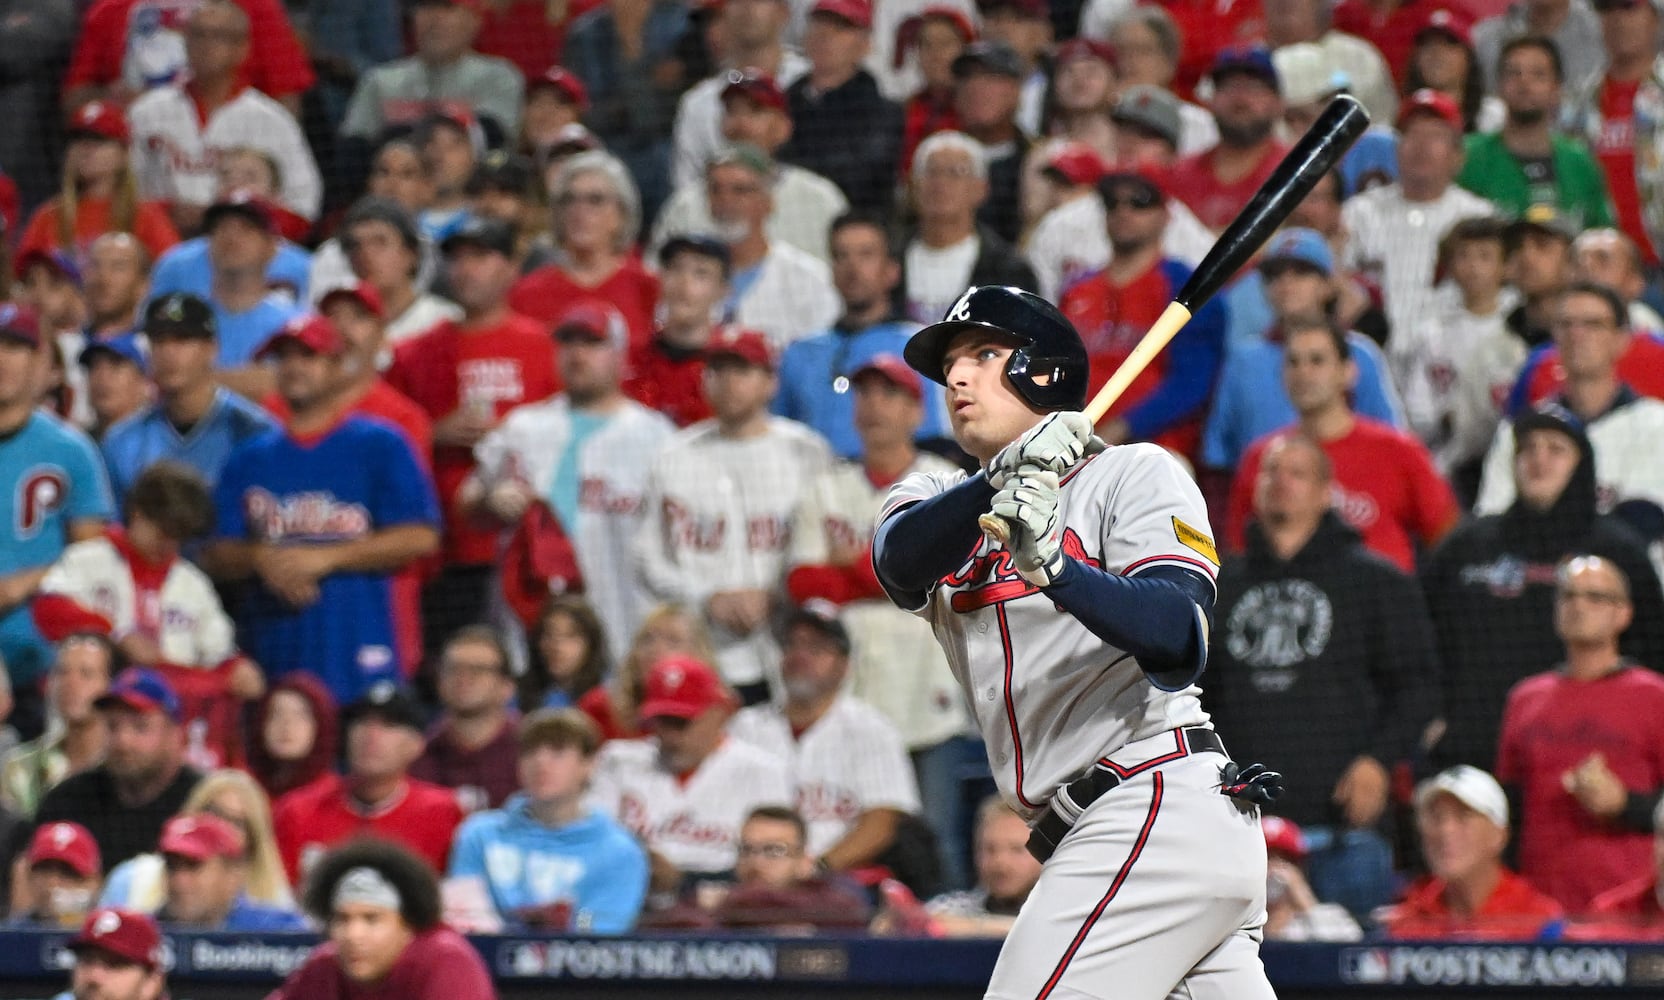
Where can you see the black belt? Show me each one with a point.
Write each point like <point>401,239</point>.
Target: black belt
<point>1072,799</point>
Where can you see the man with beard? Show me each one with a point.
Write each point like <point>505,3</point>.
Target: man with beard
<point>143,781</point>
<point>1246,104</point>
<point>1526,163</point>
<point>1494,576</point>
<point>1323,654</point>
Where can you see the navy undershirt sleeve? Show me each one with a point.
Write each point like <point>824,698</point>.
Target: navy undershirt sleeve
<point>929,539</point>
<point>1161,616</point>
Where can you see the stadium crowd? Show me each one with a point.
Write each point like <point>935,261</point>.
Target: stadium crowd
<point>461,425</point>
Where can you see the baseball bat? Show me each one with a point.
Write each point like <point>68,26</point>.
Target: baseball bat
<point>1317,152</point>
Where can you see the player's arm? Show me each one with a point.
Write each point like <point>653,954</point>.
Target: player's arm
<point>925,539</point>
<point>1161,616</point>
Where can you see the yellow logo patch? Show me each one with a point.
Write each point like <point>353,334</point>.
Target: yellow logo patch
<point>1190,538</point>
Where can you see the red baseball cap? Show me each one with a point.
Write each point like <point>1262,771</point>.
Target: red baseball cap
<point>908,31</point>
<point>360,292</point>
<point>747,345</point>
<point>1075,163</point>
<point>856,13</point>
<point>1453,22</point>
<point>566,84</point>
<point>894,370</point>
<point>124,934</point>
<point>57,261</point>
<point>596,322</point>
<point>200,837</point>
<point>1428,101</point>
<point>682,687</point>
<point>757,85</point>
<point>1283,837</point>
<point>19,323</point>
<point>66,843</point>
<point>100,119</point>
<point>1085,48</point>
<point>316,333</point>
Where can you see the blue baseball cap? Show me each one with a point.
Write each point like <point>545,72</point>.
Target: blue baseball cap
<point>125,347</point>
<point>142,690</point>
<point>1298,246</point>
<point>1254,60</point>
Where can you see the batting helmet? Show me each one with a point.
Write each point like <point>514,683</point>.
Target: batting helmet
<point>1049,369</point>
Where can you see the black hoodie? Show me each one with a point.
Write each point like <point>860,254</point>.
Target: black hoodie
<point>1490,587</point>
<point>1317,660</point>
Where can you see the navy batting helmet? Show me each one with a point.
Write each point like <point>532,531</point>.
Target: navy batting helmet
<point>1049,369</point>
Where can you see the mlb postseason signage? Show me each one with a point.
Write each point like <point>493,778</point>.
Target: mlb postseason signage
<point>826,966</point>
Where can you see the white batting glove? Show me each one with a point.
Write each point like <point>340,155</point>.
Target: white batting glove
<point>1053,445</point>
<point>1028,506</point>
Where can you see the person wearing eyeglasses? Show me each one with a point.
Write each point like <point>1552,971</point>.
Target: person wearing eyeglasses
<point>777,884</point>
<point>1114,307</point>
<point>1581,745</point>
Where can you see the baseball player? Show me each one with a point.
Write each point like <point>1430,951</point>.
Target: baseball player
<point>1078,645</point>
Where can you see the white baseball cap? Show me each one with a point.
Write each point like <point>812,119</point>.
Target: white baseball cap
<point>1470,786</point>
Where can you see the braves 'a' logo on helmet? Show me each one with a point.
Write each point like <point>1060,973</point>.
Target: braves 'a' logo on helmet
<point>41,491</point>
<point>961,310</point>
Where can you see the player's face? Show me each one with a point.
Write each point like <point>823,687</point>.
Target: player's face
<point>201,891</point>
<point>862,268</point>
<point>811,665</point>
<point>550,773</point>
<point>368,939</point>
<point>886,415</point>
<point>1591,605</point>
<point>20,370</point>
<point>1589,338</point>
<point>685,743</point>
<point>473,681</point>
<point>771,854</point>
<point>1543,465</point>
<point>102,976</point>
<point>79,675</point>
<point>291,729</point>
<point>1457,841</point>
<point>1291,487</point>
<point>691,288</point>
<point>380,750</point>
<point>1477,266</point>
<point>737,390</point>
<point>1295,290</point>
<point>1003,864</point>
<point>985,410</point>
<point>141,745</point>
<point>1314,374</point>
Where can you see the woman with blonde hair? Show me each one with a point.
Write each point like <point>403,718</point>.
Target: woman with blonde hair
<point>594,222</point>
<point>140,883</point>
<point>99,193</point>
<point>667,630</point>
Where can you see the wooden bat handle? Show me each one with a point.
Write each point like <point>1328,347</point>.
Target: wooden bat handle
<point>1163,330</point>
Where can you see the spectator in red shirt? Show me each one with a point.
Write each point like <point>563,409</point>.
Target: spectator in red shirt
<point>1605,106</point>
<point>129,46</point>
<point>380,906</point>
<point>99,195</point>
<point>293,734</point>
<point>1390,25</point>
<point>597,217</point>
<point>466,375</point>
<point>1385,484</point>
<point>1582,745</point>
<point>1462,818</point>
<point>376,797</point>
<point>1246,107</point>
<point>667,373</point>
<point>1634,910</point>
<point>472,749</point>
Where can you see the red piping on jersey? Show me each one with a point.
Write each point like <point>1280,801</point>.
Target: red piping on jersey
<point>1072,473</point>
<point>1206,567</point>
<point>1114,887</point>
<point>1010,706</point>
<point>1167,758</point>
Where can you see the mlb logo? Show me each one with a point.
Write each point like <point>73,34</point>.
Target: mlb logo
<point>1364,965</point>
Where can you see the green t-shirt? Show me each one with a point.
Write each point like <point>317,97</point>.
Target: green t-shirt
<point>1571,174</point>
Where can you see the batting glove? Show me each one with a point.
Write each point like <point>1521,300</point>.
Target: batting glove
<point>1054,445</point>
<point>1028,506</point>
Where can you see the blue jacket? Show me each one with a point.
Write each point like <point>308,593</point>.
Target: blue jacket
<point>593,863</point>
<point>810,367</point>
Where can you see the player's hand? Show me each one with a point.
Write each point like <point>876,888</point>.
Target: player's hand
<point>1361,792</point>
<point>1053,445</point>
<point>463,427</point>
<point>246,682</point>
<point>1028,506</point>
<point>508,499</point>
<point>1600,792</point>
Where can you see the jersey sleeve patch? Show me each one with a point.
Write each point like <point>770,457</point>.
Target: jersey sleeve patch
<point>1196,541</point>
